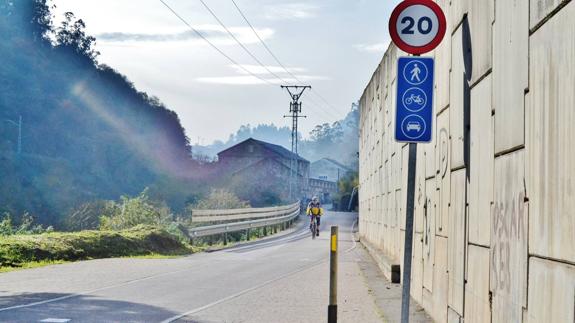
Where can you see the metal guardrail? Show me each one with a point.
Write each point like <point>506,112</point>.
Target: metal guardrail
<point>204,231</point>
<point>242,214</point>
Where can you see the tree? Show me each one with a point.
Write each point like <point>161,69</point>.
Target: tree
<point>71,35</point>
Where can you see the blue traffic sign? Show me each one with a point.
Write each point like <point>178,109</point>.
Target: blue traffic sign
<point>414,110</point>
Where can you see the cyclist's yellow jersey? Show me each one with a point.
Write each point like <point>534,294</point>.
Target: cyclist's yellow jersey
<point>314,210</point>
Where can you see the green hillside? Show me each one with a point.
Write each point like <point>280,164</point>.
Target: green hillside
<point>87,133</point>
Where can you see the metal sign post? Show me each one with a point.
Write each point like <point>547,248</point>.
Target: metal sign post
<point>416,27</point>
<point>407,249</point>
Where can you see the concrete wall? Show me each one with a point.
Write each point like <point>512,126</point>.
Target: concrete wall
<point>494,236</point>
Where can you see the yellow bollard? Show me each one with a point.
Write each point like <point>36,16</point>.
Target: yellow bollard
<point>332,308</point>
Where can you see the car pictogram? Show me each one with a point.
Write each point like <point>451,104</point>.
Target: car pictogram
<point>413,125</point>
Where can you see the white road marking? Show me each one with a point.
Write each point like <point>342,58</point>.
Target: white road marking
<point>245,291</point>
<point>61,298</point>
<point>55,320</point>
<point>294,235</point>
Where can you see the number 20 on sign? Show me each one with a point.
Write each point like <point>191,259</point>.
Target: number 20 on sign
<point>417,26</point>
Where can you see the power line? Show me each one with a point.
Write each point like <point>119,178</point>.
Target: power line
<point>328,113</point>
<point>242,67</point>
<point>263,42</point>
<point>259,62</point>
<point>223,53</point>
<point>214,46</point>
<point>240,43</point>
<point>277,59</point>
<point>265,46</point>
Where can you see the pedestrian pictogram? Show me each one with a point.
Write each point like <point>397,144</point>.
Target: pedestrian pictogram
<point>415,73</point>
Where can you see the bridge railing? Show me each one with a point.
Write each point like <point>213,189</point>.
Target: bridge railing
<point>244,219</point>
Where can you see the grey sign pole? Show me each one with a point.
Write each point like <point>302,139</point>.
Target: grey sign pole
<point>406,277</point>
<point>409,118</point>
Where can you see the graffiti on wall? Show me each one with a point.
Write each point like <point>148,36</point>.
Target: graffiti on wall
<point>509,230</point>
<point>427,229</point>
<point>443,152</point>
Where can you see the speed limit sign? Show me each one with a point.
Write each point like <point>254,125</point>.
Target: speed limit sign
<point>417,26</point>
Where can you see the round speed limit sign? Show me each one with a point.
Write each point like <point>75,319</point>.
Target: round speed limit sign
<point>417,26</point>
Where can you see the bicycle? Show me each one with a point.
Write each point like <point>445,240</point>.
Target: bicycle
<point>313,226</point>
<point>414,98</point>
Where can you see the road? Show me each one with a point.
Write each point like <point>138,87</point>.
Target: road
<point>283,279</point>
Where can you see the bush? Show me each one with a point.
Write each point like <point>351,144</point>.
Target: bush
<point>85,216</point>
<point>130,212</point>
<point>220,199</point>
<point>141,240</point>
<point>26,226</point>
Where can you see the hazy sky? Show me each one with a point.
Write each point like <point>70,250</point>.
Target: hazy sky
<point>333,45</point>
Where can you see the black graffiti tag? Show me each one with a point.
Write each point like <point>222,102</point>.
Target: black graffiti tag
<point>509,234</point>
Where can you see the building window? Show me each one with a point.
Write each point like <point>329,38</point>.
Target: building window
<point>250,148</point>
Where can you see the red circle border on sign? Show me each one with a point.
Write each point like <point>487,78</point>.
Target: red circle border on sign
<point>422,49</point>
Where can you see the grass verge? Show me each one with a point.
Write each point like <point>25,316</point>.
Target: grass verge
<point>26,251</point>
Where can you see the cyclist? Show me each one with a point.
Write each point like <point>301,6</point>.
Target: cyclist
<point>315,211</point>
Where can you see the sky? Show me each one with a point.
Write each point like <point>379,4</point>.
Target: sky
<point>332,45</point>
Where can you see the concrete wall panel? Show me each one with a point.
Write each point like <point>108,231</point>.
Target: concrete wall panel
<point>551,291</point>
<point>398,211</point>
<point>459,99</point>
<point>442,65</point>
<point>419,190</point>
<point>481,165</point>
<point>443,172</point>
<point>456,244</point>
<point>510,72</point>
<point>481,17</point>
<point>540,9</point>
<point>550,133</point>
<point>440,281</point>
<point>453,316</point>
<point>417,268</point>
<point>508,279</point>
<point>403,201</point>
<point>477,307</point>
<point>428,244</point>
<point>457,10</point>
<point>429,152</point>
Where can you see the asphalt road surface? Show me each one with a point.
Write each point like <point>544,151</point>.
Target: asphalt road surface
<point>283,279</point>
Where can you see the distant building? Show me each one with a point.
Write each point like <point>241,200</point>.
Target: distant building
<point>255,167</point>
<point>325,190</point>
<point>328,169</point>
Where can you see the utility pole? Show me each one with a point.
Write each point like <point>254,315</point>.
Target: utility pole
<point>19,125</point>
<point>295,92</point>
